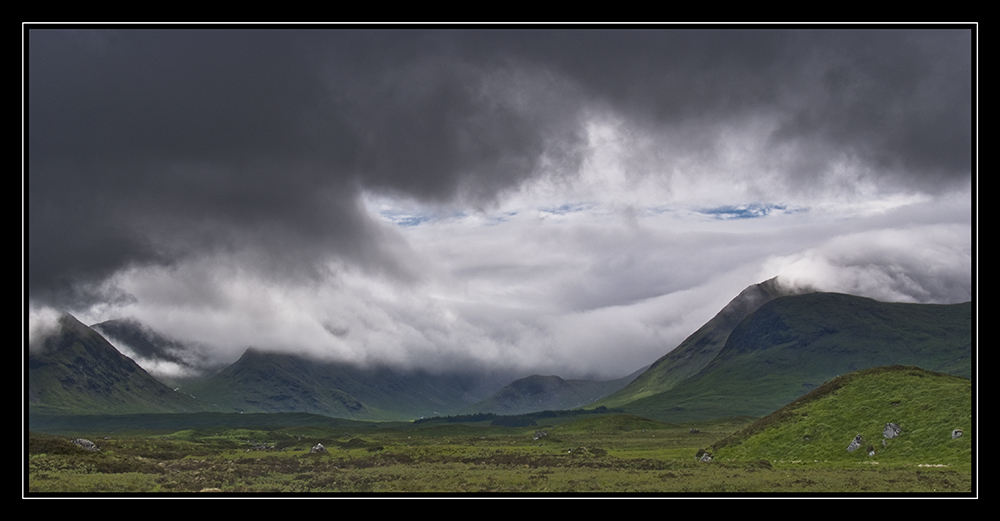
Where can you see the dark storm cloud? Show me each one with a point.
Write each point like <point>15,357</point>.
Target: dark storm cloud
<point>147,146</point>
<point>910,89</point>
<point>898,101</point>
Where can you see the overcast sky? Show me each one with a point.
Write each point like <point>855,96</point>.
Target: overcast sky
<point>571,202</point>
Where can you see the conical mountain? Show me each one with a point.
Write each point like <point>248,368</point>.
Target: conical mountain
<point>793,344</point>
<point>77,371</point>
<point>699,349</point>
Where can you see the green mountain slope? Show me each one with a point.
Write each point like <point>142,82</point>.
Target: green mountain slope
<point>540,393</point>
<point>77,371</point>
<point>793,344</point>
<point>927,406</point>
<point>699,349</point>
<point>274,382</point>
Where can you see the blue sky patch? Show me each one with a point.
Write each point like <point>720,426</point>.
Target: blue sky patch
<point>746,211</point>
<point>564,209</point>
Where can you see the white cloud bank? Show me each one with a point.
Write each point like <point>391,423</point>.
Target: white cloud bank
<point>581,288</point>
<point>590,268</point>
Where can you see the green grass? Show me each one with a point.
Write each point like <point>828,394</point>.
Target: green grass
<point>799,449</point>
<point>612,454</point>
<point>818,427</point>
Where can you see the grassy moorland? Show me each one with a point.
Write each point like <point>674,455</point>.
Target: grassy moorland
<point>595,455</point>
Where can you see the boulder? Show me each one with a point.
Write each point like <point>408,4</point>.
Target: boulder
<point>703,456</point>
<point>87,445</point>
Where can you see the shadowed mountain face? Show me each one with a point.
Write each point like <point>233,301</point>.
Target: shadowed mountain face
<point>540,393</point>
<point>78,371</point>
<point>145,342</point>
<point>275,382</point>
<point>793,344</point>
<point>170,361</point>
<point>845,332</point>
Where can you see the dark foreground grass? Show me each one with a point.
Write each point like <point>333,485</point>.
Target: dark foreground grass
<point>616,454</point>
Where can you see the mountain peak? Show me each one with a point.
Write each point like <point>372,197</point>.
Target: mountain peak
<point>78,371</point>
<point>699,349</point>
<point>755,296</point>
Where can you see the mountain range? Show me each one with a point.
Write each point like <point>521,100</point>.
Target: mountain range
<point>262,381</point>
<point>764,349</point>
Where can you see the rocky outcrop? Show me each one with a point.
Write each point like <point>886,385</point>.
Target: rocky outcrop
<point>86,445</point>
<point>703,456</point>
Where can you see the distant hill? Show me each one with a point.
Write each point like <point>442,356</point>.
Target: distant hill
<point>262,381</point>
<point>793,344</point>
<point>541,393</point>
<point>77,371</point>
<point>926,406</point>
